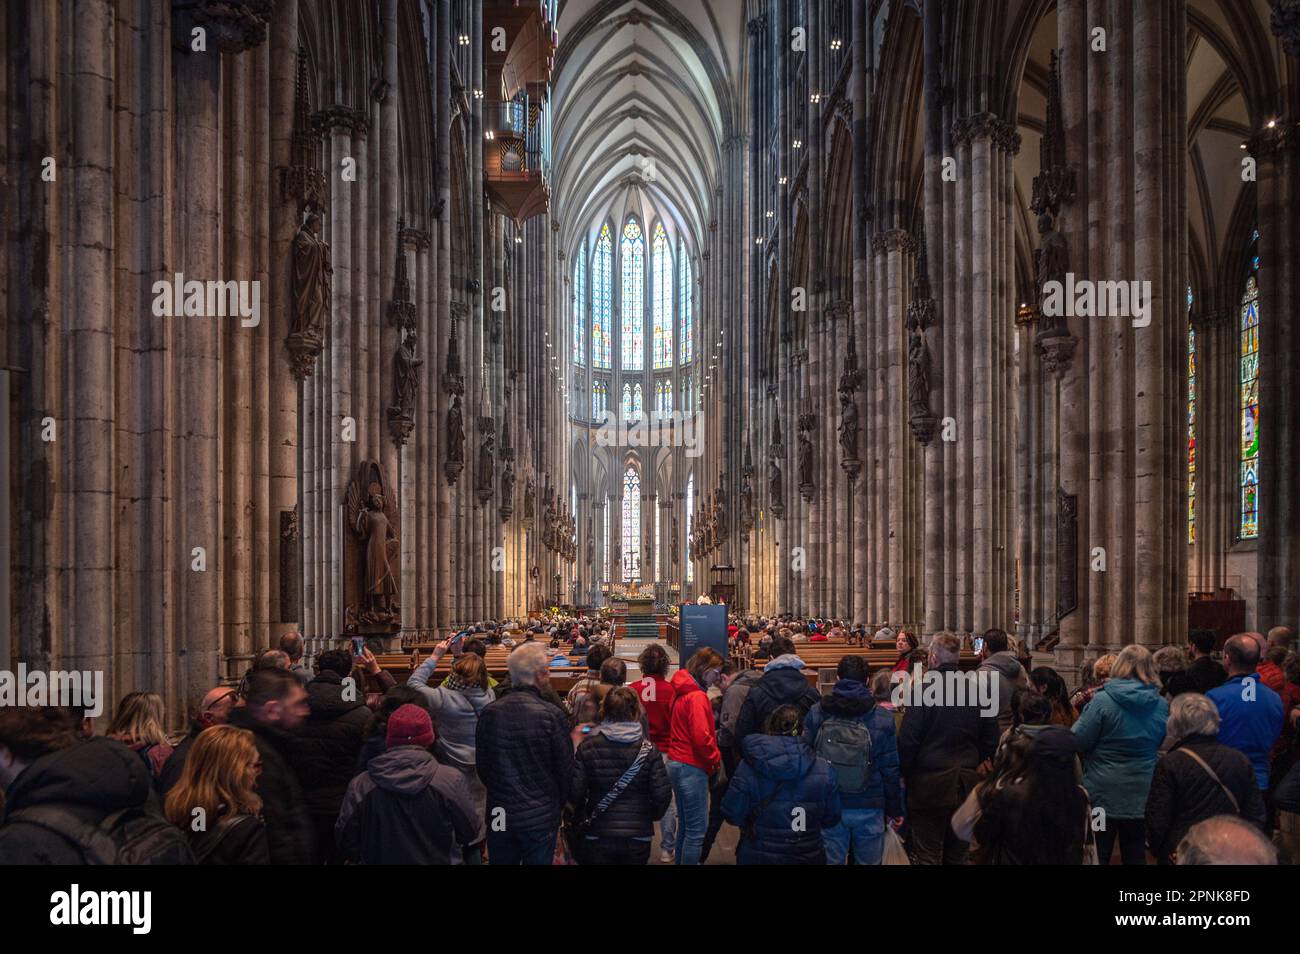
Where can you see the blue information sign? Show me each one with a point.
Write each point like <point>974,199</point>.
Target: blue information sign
<point>703,626</point>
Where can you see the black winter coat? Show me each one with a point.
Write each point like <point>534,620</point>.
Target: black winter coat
<point>525,759</point>
<point>325,749</point>
<point>1182,792</point>
<point>90,780</point>
<point>940,747</point>
<point>598,764</point>
<point>174,767</point>
<point>1201,676</point>
<point>777,687</point>
<point>240,841</point>
<point>288,826</point>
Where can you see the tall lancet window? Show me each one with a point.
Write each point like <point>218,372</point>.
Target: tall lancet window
<point>632,256</point>
<point>690,513</point>
<point>1249,528</point>
<point>601,279</point>
<point>631,525</point>
<point>684,294</point>
<point>636,402</point>
<point>625,409</point>
<point>663,299</point>
<point>580,307</point>
<point>599,399</point>
<point>1191,423</point>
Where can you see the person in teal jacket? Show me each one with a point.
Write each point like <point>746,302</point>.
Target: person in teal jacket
<point>1119,735</point>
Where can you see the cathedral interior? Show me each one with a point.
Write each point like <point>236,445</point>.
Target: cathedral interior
<point>387,317</point>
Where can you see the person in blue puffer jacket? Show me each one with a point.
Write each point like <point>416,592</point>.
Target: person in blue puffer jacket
<point>1119,735</point>
<point>865,809</point>
<point>783,797</point>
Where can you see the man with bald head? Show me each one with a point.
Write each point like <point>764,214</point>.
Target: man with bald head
<point>213,709</point>
<point>1225,840</point>
<point>1250,713</point>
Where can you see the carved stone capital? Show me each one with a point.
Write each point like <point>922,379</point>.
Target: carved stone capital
<point>339,118</point>
<point>1057,350</point>
<point>1274,140</point>
<point>1285,21</point>
<point>893,240</point>
<point>1001,134</point>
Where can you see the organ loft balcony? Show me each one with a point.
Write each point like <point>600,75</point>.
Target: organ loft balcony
<point>519,42</point>
<point>517,153</point>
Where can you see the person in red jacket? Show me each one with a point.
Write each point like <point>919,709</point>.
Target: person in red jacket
<point>693,754</point>
<point>656,694</point>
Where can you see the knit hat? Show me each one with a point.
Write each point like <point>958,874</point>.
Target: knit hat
<point>410,725</point>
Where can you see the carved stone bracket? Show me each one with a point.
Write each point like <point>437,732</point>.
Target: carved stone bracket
<point>304,348</point>
<point>1285,22</point>
<point>236,25</point>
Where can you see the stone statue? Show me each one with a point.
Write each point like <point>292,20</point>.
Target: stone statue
<point>405,375</point>
<point>1051,262</point>
<point>530,491</point>
<point>485,458</point>
<point>775,487</point>
<point>673,544</point>
<point>848,425</point>
<point>507,485</point>
<point>371,563</point>
<point>805,459</point>
<point>720,515</point>
<point>548,523</point>
<point>746,502</point>
<point>918,373</point>
<point>455,432</point>
<point>311,277</point>
<point>591,542</point>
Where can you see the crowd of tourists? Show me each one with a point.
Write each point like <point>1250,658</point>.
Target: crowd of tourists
<point>1186,756</point>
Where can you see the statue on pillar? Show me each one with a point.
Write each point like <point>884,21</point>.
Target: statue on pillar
<point>1051,262</point>
<point>406,381</point>
<point>486,456</point>
<point>311,294</point>
<point>848,425</point>
<point>371,559</point>
<point>775,487</point>
<point>455,461</point>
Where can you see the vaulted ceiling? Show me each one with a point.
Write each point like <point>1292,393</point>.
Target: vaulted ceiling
<point>643,98</point>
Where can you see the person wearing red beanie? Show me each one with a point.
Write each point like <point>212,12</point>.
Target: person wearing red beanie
<point>406,808</point>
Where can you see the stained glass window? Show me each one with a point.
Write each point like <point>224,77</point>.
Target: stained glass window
<point>1249,477</point>
<point>631,525</point>
<point>599,399</point>
<point>663,299</point>
<point>690,511</point>
<point>625,408</point>
<point>632,258</point>
<point>600,299</point>
<point>580,308</point>
<point>636,402</point>
<point>684,292</point>
<point>1191,424</point>
<point>663,398</point>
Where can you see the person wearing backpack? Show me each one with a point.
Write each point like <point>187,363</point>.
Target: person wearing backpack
<point>620,787</point>
<point>71,802</point>
<point>856,736</point>
<point>219,777</point>
<point>782,683</point>
<point>783,797</point>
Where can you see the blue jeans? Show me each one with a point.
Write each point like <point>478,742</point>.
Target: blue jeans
<point>691,790</point>
<point>521,847</point>
<point>668,824</point>
<point>864,828</point>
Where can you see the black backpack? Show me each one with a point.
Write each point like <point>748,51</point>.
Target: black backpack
<point>130,836</point>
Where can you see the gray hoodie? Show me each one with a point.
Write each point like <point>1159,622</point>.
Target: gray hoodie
<point>1008,669</point>
<point>455,715</point>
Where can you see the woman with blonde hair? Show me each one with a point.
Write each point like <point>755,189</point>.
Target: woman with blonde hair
<point>1119,734</point>
<point>138,723</point>
<point>216,803</point>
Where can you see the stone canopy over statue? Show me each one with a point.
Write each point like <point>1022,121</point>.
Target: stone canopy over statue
<point>371,555</point>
